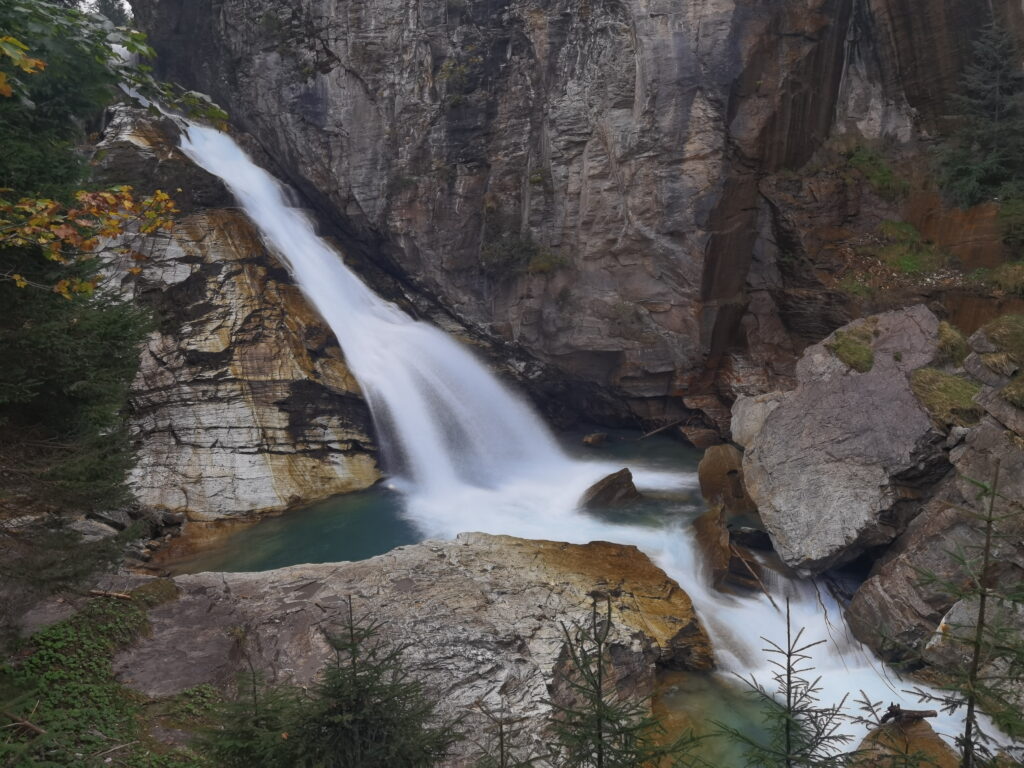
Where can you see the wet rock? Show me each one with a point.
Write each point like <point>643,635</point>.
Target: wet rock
<point>752,538</point>
<point>720,473</point>
<point>595,439</point>
<point>728,564</point>
<point>481,616</point>
<point>842,463</point>
<point>700,437</point>
<point>612,491</point>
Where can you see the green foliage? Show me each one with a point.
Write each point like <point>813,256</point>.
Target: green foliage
<point>597,729</point>
<point>906,251</point>
<point>65,687</point>
<point>853,347</point>
<point>952,344</point>
<point>857,286</point>
<point>878,172</point>
<point>1006,332</point>
<point>115,12</point>
<point>801,732</point>
<point>984,158</point>
<point>508,255</point>
<point>364,711</point>
<point>947,397</point>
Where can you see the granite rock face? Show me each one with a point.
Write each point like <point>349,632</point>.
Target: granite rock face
<point>841,463</point>
<point>243,403</point>
<point>482,614</point>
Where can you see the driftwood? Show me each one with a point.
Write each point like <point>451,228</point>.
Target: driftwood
<point>898,715</point>
<point>105,593</point>
<point>675,423</point>
<point>24,723</point>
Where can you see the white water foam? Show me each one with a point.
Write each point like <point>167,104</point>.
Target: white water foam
<point>472,456</point>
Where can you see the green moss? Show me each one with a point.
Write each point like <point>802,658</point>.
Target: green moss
<point>853,347</point>
<point>1013,393</point>
<point>1007,334</point>
<point>952,344</point>
<point>546,261</point>
<point>948,398</point>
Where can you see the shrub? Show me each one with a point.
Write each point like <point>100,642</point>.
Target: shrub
<point>878,173</point>
<point>906,251</point>
<point>952,344</point>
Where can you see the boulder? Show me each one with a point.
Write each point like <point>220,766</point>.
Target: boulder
<point>897,611</point>
<point>729,565</point>
<point>720,474</point>
<point>612,491</point>
<point>481,615</point>
<point>749,414</point>
<point>841,463</point>
<point>92,530</point>
<point>894,744</point>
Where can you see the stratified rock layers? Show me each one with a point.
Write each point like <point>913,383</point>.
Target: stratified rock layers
<point>243,403</point>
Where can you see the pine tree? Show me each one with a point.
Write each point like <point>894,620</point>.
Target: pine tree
<point>598,730</point>
<point>801,732</point>
<point>985,157</point>
<point>115,11</point>
<point>367,711</point>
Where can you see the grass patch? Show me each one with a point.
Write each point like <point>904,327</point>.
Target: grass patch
<point>878,172</point>
<point>65,686</point>
<point>1008,277</point>
<point>1007,334</point>
<point>1013,393</point>
<point>856,286</point>
<point>906,251</point>
<point>947,397</point>
<point>853,347</point>
<point>952,344</point>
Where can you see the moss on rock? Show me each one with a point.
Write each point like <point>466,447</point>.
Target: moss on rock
<point>853,347</point>
<point>952,344</point>
<point>947,397</point>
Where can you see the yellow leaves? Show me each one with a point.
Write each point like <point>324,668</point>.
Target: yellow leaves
<point>19,281</point>
<point>100,221</point>
<point>14,50</point>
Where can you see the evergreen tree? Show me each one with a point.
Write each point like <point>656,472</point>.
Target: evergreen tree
<point>367,711</point>
<point>599,730</point>
<point>801,732</point>
<point>115,11</point>
<point>985,157</point>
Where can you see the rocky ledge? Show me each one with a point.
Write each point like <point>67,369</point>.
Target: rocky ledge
<point>482,616</point>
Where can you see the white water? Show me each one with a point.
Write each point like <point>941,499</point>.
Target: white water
<point>472,456</point>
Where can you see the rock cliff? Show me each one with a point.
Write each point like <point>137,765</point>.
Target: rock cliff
<point>243,403</point>
<point>481,616</point>
<point>591,181</point>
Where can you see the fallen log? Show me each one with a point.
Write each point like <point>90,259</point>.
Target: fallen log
<point>898,714</point>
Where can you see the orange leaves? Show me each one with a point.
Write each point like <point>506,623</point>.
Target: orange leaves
<point>14,50</point>
<point>100,221</point>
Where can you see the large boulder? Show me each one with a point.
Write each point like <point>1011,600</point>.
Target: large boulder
<point>902,604</point>
<point>842,462</point>
<point>482,617</point>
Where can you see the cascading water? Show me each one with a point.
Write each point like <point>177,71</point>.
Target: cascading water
<point>474,457</point>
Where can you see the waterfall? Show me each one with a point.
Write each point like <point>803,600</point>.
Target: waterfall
<point>472,456</point>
